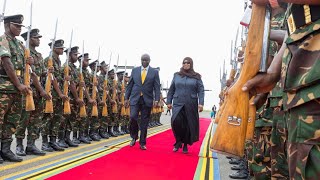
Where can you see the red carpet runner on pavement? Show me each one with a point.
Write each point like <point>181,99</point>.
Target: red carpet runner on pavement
<point>158,162</point>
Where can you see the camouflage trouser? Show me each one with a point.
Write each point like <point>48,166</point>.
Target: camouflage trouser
<point>112,117</point>
<point>126,120</point>
<point>249,154</point>
<point>121,120</point>
<point>279,162</point>
<point>10,114</point>
<point>103,120</point>
<point>71,119</point>
<point>32,121</point>
<point>94,123</point>
<point>261,164</point>
<point>52,122</point>
<point>303,141</point>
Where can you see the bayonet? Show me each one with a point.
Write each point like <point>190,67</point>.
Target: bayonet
<point>3,11</point>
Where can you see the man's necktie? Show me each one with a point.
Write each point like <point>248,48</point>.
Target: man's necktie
<point>143,75</point>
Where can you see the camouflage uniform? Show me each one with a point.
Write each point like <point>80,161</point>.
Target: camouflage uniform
<point>94,121</point>
<point>85,121</point>
<point>32,120</point>
<point>300,82</point>
<point>103,121</point>
<point>113,116</point>
<point>11,100</point>
<point>53,121</point>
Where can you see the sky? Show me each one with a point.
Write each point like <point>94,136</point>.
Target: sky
<point>168,30</point>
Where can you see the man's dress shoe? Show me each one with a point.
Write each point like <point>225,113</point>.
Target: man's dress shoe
<point>133,142</point>
<point>143,147</point>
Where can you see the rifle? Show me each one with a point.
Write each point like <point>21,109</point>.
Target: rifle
<point>83,112</point>
<point>3,11</point>
<point>105,91</point>
<point>114,91</point>
<point>66,104</point>
<point>29,97</point>
<point>230,134</point>
<point>94,112</point>
<point>49,103</point>
<point>123,108</point>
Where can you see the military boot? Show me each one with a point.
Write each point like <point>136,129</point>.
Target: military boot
<point>86,135</point>
<point>116,130</point>
<point>110,131</point>
<point>1,160</point>
<point>103,133</point>
<point>68,140</point>
<point>32,149</point>
<point>7,154</point>
<point>61,142</point>
<point>53,143</point>
<point>83,139</point>
<point>94,136</point>
<point>45,145</point>
<point>127,130</point>
<point>159,123</point>
<point>75,139</point>
<point>20,148</point>
<point>241,174</point>
<point>234,161</point>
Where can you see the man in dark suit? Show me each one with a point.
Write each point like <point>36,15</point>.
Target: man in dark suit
<point>143,88</point>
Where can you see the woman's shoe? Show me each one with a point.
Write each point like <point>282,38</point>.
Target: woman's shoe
<point>177,146</point>
<point>185,149</point>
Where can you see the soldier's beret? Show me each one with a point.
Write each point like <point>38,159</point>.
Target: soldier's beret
<point>57,44</point>
<point>33,33</point>
<point>103,63</point>
<point>14,19</point>
<point>85,56</point>
<point>111,71</point>
<point>74,50</point>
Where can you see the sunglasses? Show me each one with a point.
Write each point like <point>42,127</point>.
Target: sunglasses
<point>186,62</point>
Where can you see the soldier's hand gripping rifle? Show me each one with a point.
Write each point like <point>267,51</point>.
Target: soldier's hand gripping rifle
<point>27,72</point>
<point>114,91</point>
<point>94,111</point>
<point>66,104</point>
<point>123,111</point>
<point>105,91</point>
<point>49,103</point>
<point>83,112</point>
<point>230,134</point>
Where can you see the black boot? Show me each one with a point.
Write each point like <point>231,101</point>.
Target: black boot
<point>45,145</point>
<point>68,140</point>
<point>159,123</point>
<point>19,148</point>
<point>116,131</point>
<point>75,139</point>
<point>123,130</point>
<point>94,136</point>
<point>127,130</point>
<point>7,154</point>
<point>83,139</point>
<point>86,135</point>
<point>234,161</point>
<point>110,131</point>
<point>241,174</point>
<point>53,143</point>
<point>32,149</point>
<point>61,142</point>
<point>103,134</point>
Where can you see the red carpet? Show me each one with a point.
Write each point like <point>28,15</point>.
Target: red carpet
<point>157,162</point>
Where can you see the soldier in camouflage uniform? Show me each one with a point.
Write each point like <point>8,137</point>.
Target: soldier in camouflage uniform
<point>94,121</point>
<point>85,121</point>
<point>75,102</point>
<point>103,128</point>
<point>299,82</point>
<point>112,117</point>
<point>32,120</point>
<point>120,93</point>
<point>11,78</point>
<point>127,116</point>
<point>52,121</point>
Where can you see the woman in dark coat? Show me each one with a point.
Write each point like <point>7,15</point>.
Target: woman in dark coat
<point>187,93</point>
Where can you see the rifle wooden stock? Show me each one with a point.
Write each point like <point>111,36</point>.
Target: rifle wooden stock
<point>218,115</point>
<point>251,120</point>
<point>94,111</point>
<point>104,99</point>
<point>123,109</point>
<point>114,97</point>
<point>232,74</point>
<point>29,97</point>
<point>83,112</point>
<point>230,134</point>
<point>49,103</point>
<point>66,104</point>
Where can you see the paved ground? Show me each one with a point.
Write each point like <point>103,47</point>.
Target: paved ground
<point>35,161</point>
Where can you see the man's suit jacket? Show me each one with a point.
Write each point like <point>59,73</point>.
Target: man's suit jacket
<point>150,88</point>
